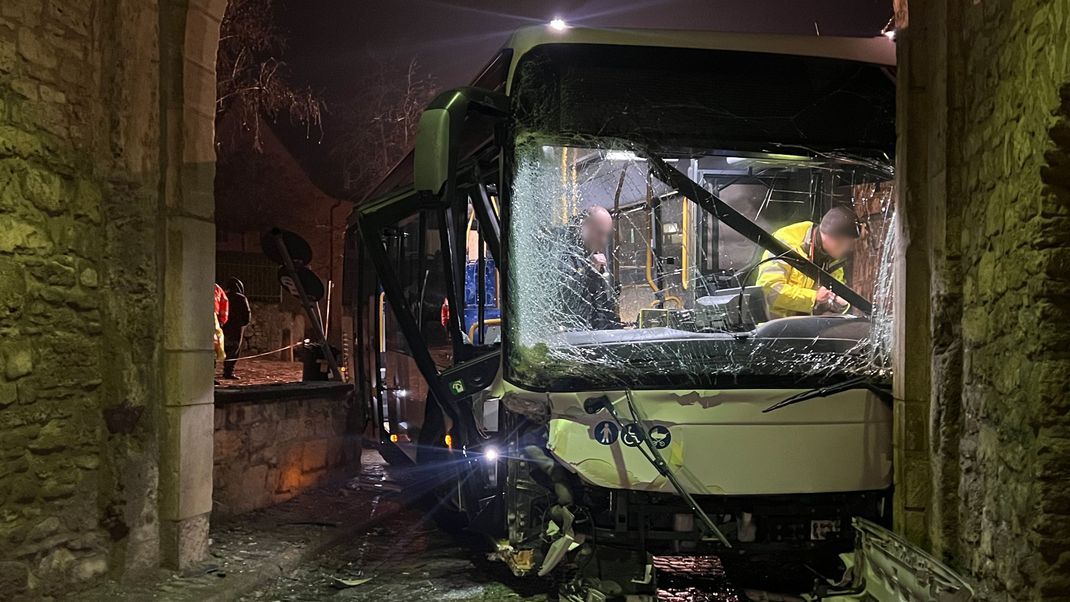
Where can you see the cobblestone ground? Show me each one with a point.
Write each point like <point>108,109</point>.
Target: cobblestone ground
<point>259,372</point>
<point>365,539</point>
<point>359,540</point>
<point>401,555</point>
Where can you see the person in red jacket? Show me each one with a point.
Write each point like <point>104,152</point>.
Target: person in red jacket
<point>221,313</point>
<point>222,305</point>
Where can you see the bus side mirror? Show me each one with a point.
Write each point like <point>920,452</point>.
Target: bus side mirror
<point>432,152</point>
<point>444,129</point>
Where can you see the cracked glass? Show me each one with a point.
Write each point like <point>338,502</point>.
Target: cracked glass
<point>619,280</point>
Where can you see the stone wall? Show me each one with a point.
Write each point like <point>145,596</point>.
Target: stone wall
<point>268,450</point>
<point>106,163</point>
<point>985,127</point>
<point>79,303</point>
<point>269,327</point>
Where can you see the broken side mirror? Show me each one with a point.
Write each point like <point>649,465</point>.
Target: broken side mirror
<point>453,126</point>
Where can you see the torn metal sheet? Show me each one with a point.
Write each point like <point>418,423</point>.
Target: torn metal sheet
<point>886,567</point>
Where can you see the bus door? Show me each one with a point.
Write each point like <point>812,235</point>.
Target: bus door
<point>403,239</point>
<point>474,319</point>
<point>428,256</point>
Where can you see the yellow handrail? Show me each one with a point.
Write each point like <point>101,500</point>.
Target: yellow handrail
<point>679,303</point>
<point>650,267</point>
<point>650,280</point>
<point>686,215</point>
<point>486,322</point>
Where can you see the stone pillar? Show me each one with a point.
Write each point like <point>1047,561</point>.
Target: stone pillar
<point>913,339</point>
<point>189,39</point>
<point>984,97</point>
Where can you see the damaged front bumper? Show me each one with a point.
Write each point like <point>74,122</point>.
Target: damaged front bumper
<point>887,568</point>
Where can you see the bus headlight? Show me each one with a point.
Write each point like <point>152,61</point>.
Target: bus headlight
<point>491,454</point>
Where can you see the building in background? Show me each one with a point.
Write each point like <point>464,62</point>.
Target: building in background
<point>259,190</point>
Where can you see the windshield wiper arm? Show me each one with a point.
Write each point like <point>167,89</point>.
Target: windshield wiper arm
<point>859,382</point>
<point>752,231</point>
<point>650,452</point>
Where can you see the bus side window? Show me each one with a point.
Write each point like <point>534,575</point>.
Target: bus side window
<point>481,318</point>
<point>416,257</point>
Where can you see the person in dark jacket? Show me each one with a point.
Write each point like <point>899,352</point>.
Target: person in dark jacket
<point>589,297</point>
<point>237,320</point>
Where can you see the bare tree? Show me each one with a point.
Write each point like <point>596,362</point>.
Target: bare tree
<point>379,125</point>
<point>252,80</point>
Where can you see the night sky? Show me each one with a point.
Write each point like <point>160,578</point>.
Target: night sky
<point>333,44</point>
<point>332,40</point>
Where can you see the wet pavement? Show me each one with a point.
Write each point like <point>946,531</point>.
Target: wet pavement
<point>368,538</point>
<point>364,539</point>
<point>401,555</point>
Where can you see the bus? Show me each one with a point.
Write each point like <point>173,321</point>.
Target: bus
<point>598,409</point>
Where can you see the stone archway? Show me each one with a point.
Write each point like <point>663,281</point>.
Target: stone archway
<point>189,40</point>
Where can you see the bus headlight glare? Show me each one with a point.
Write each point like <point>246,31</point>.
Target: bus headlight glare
<point>491,454</point>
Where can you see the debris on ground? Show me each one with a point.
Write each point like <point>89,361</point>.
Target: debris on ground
<point>344,583</point>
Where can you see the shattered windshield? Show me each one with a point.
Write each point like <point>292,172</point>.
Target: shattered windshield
<point>617,279</point>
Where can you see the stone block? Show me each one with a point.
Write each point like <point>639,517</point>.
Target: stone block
<point>34,49</point>
<point>186,462</point>
<point>198,189</point>
<point>9,394</point>
<point>184,543</point>
<point>253,488</point>
<point>89,278</point>
<point>19,236</point>
<point>44,189</point>
<point>915,426</point>
<point>18,360</point>
<point>73,16</point>
<point>289,479</point>
<point>228,444</point>
<point>189,377</point>
<point>12,288</point>
<point>20,143</point>
<point>7,56</point>
<point>90,567</point>
<point>261,434</point>
<point>45,528</point>
<point>53,437</point>
<point>188,284</point>
<point>202,37</point>
<point>25,88</point>
<point>314,457</point>
<point>87,201</point>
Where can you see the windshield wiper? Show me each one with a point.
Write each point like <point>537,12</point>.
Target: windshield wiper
<point>752,231</point>
<point>859,382</point>
<point>650,451</point>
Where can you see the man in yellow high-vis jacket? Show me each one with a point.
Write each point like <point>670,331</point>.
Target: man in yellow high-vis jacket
<point>788,291</point>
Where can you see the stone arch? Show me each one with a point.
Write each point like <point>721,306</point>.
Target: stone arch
<point>189,40</point>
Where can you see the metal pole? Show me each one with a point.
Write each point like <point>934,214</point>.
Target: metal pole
<point>309,309</point>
